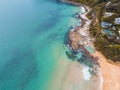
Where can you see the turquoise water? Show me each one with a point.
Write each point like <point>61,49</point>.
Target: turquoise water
<point>30,33</point>
<point>90,49</point>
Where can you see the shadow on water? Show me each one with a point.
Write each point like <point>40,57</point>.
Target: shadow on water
<point>46,26</point>
<point>66,37</point>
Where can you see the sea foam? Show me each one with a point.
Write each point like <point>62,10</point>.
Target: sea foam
<point>86,73</point>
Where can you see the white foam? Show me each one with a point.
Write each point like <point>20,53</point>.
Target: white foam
<point>86,73</point>
<point>83,9</point>
<point>101,80</point>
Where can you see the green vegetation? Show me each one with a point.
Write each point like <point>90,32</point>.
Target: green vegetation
<point>108,45</point>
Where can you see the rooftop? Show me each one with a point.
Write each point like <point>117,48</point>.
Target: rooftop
<point>117,20</point>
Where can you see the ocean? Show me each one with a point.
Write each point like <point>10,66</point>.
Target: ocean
<point>33,51</point>
<point>32,35</point>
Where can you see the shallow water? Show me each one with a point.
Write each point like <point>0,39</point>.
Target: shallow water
<point>105,31</point>
<point>90,49</point>
<point>30,33</point>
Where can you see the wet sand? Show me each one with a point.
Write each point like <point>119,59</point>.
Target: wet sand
<point>69,76</point>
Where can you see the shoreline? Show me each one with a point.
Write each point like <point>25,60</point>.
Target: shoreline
<point>78,31</point>
<point>107,81</point>
<point>85,28</point>
<point>72,76</point>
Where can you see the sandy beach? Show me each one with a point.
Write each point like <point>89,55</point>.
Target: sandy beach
<point>110,72</point>
<point>69,75</point>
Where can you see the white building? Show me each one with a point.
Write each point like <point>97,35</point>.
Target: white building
<point>117,20</point>
<point>108,14</point>
<point>106,24</point>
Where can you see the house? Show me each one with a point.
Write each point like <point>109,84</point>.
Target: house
<point>119,31</point>
<point>108,14</point>
<point>117,20</point>
<point>113,28</point>
<point>108,32</point>
<point>106,24</point>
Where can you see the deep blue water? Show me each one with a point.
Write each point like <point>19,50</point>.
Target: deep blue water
<point>30,31</point>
